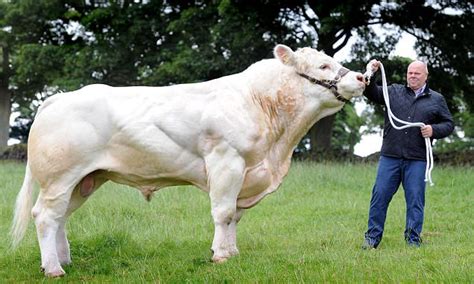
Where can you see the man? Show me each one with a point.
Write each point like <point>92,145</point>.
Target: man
<point>403,154</point>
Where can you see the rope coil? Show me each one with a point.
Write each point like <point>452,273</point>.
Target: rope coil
<point>405,124</point>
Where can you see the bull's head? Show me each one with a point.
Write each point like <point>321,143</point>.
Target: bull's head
<point>322,70</point>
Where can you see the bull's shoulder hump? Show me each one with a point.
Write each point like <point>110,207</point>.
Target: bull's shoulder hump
<point>95,86</point>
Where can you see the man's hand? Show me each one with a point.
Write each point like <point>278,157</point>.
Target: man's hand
<point>373,65</point>
<point>426,131</point>
<point>371,68</point>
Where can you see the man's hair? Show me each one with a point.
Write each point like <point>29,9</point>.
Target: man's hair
<point>424,64</point>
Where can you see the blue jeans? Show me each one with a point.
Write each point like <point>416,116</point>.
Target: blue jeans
<point>391,172</point>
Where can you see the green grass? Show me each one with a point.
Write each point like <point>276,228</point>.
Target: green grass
<point>310,230</point>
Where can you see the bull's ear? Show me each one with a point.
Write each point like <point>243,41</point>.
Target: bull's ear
<point>284,54</point>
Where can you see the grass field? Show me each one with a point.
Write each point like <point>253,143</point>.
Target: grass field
<point>310,230</point>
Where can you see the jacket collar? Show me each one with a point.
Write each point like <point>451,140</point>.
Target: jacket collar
<point>426,91</point>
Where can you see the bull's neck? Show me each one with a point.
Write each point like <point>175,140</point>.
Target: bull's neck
<point>289,110</point>
<point>310,113</point>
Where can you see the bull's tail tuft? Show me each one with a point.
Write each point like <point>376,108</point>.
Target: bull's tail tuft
<point>23,207</point>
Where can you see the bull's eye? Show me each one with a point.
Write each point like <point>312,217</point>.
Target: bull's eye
<point>324,67</point>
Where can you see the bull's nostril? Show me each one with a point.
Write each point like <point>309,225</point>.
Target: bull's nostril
<point>360,78</point>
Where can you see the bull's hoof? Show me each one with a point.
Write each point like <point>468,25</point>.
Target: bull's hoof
<point>219,259</point>
<point>55,273</point>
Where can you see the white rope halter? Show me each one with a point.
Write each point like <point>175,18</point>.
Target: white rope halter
<point>405,124</point>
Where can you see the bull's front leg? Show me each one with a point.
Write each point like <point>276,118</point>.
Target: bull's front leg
<point>225,170</point>
<point>222,215</point>
<point>232,233</point>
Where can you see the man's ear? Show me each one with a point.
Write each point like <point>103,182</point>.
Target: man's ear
<point>284,54</point>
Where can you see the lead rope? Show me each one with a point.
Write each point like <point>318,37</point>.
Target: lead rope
<point>406,124</point>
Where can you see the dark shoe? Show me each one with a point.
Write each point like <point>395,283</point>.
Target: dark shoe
<point>413,238</point>
<point>369,244</point>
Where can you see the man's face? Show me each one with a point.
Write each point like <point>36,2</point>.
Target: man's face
<point>416,75</point>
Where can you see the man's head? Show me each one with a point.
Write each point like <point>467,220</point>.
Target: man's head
<point>417,73</point>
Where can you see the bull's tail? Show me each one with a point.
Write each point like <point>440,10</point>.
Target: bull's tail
<point>23,206</point>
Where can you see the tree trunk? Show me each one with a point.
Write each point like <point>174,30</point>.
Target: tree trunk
<point>320,135</point>
<point>5,111</point>
<point>5,99</point>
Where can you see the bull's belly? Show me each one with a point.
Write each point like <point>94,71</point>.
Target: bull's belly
<point>143,183</point>
<point>153,168</point>
<point>259,180</point>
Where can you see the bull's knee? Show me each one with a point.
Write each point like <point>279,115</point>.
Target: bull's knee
<point>45,223</point>
<point>223,215</point>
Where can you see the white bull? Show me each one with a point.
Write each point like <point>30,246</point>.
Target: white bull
<point>232,137</point>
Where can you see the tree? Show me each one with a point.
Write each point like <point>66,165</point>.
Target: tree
<point>20,22</point>
<point>5,96</point>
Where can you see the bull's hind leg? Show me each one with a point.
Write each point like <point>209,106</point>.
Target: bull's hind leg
<point>49,213</point>
<point>225,170</point>
<point>78,197</point>
<point>62,243</point>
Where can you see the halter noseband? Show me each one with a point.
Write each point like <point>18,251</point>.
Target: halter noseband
<point>330,84</point>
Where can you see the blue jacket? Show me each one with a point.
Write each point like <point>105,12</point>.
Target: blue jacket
<point>430,108</point>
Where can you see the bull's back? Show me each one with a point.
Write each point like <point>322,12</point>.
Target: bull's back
<point>149,133</point>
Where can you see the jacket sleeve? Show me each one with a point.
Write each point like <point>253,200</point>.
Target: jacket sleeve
<point>445,124</point>
<point>373,92</point>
